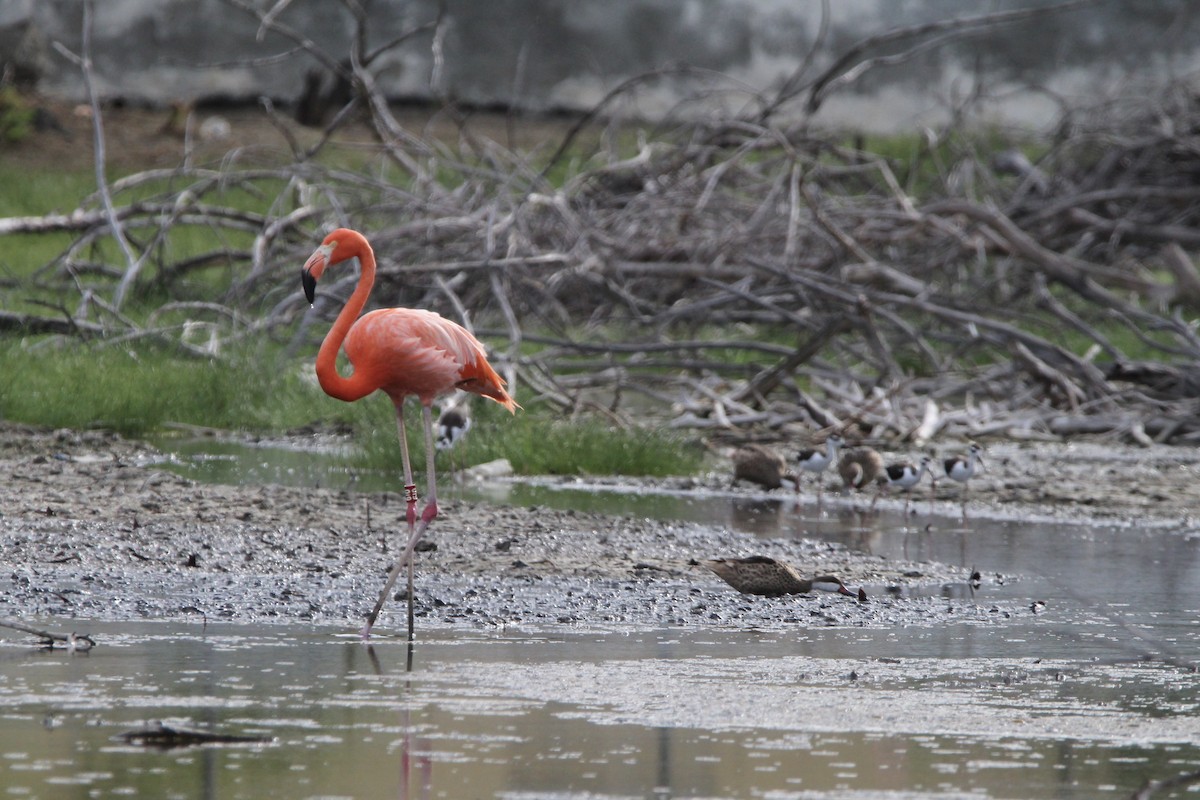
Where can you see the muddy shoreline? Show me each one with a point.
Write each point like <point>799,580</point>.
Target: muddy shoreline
<point>92,528</point>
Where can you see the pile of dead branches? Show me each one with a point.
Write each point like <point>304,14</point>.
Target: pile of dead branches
<point>736,276</point>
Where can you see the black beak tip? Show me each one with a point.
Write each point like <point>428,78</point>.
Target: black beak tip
<point>310,285</point>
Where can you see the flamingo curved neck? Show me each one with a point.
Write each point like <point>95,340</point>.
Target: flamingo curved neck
<point>347,388</point>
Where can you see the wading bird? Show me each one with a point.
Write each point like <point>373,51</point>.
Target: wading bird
<point>452,425</point>
<point>961,468</point>
<point>765,576</point>
<point>904,476</point>
<point>401,352</point>
<point>817,460</point>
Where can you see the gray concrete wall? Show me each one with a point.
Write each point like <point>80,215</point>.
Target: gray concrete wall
<point>544,54</point>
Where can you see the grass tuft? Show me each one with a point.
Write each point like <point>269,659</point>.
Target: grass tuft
<point>138,393</point>
<point>534,440</point>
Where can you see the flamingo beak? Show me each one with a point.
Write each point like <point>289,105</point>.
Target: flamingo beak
<point>313,268</point>
<point>309,283</point>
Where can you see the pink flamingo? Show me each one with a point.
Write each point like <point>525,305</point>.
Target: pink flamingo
<point>401,352</point>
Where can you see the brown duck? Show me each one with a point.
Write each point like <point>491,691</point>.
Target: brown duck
<point>860,467</point>
<point>759,464</point>
<point>765,576</point>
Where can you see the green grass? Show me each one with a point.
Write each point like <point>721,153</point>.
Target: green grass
<point>136,392</point>
<point>16,115</point>
<point>42,192</point>
<point>30,287</point>
<point>536,442</point>
<point>140,393</point>
<point>922,167</point>
<point>24,256</point>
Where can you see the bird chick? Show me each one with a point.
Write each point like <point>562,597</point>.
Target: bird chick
<point>452,424</point>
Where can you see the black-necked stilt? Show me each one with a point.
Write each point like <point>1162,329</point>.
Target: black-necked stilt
<point>765,576</point>
<point>760,464</point>
<point>452,425</point>
<point>817,460</point>
<point>904,476</point>
<point>960,468</point>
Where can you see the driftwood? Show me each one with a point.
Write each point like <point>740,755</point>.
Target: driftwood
<point>75,642</point>
<point>740,277</point>
<point>1152,787</point>
<point>161,736</point>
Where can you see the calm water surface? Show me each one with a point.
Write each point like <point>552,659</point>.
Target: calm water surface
<point>1053,706</point>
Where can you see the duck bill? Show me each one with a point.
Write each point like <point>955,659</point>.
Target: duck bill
<point>832,585</point>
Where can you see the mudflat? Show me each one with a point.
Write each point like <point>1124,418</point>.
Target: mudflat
<point>92,526</point>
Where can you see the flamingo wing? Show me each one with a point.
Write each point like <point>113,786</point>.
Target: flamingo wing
<point>406,351</point>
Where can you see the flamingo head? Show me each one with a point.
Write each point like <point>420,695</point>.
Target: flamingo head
<point>339,245</point>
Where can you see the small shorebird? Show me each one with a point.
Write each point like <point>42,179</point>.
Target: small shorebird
<point>760,464</point>
<point>817,460</point>
<point>452,425</point>
<point>960,468</point>
<point>904,476</point>
<point>765,576</point>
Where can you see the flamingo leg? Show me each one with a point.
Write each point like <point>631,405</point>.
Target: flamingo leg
<point>410,491</point>
<point>427,514</point>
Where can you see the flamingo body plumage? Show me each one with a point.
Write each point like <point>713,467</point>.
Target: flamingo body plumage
<point>402,352</point>
<point>409,351</point>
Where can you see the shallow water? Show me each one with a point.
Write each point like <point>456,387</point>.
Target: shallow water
<point>662,714</point>
<point>1053,704</point>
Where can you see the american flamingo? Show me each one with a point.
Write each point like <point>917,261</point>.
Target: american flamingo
<point>402,352</point>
